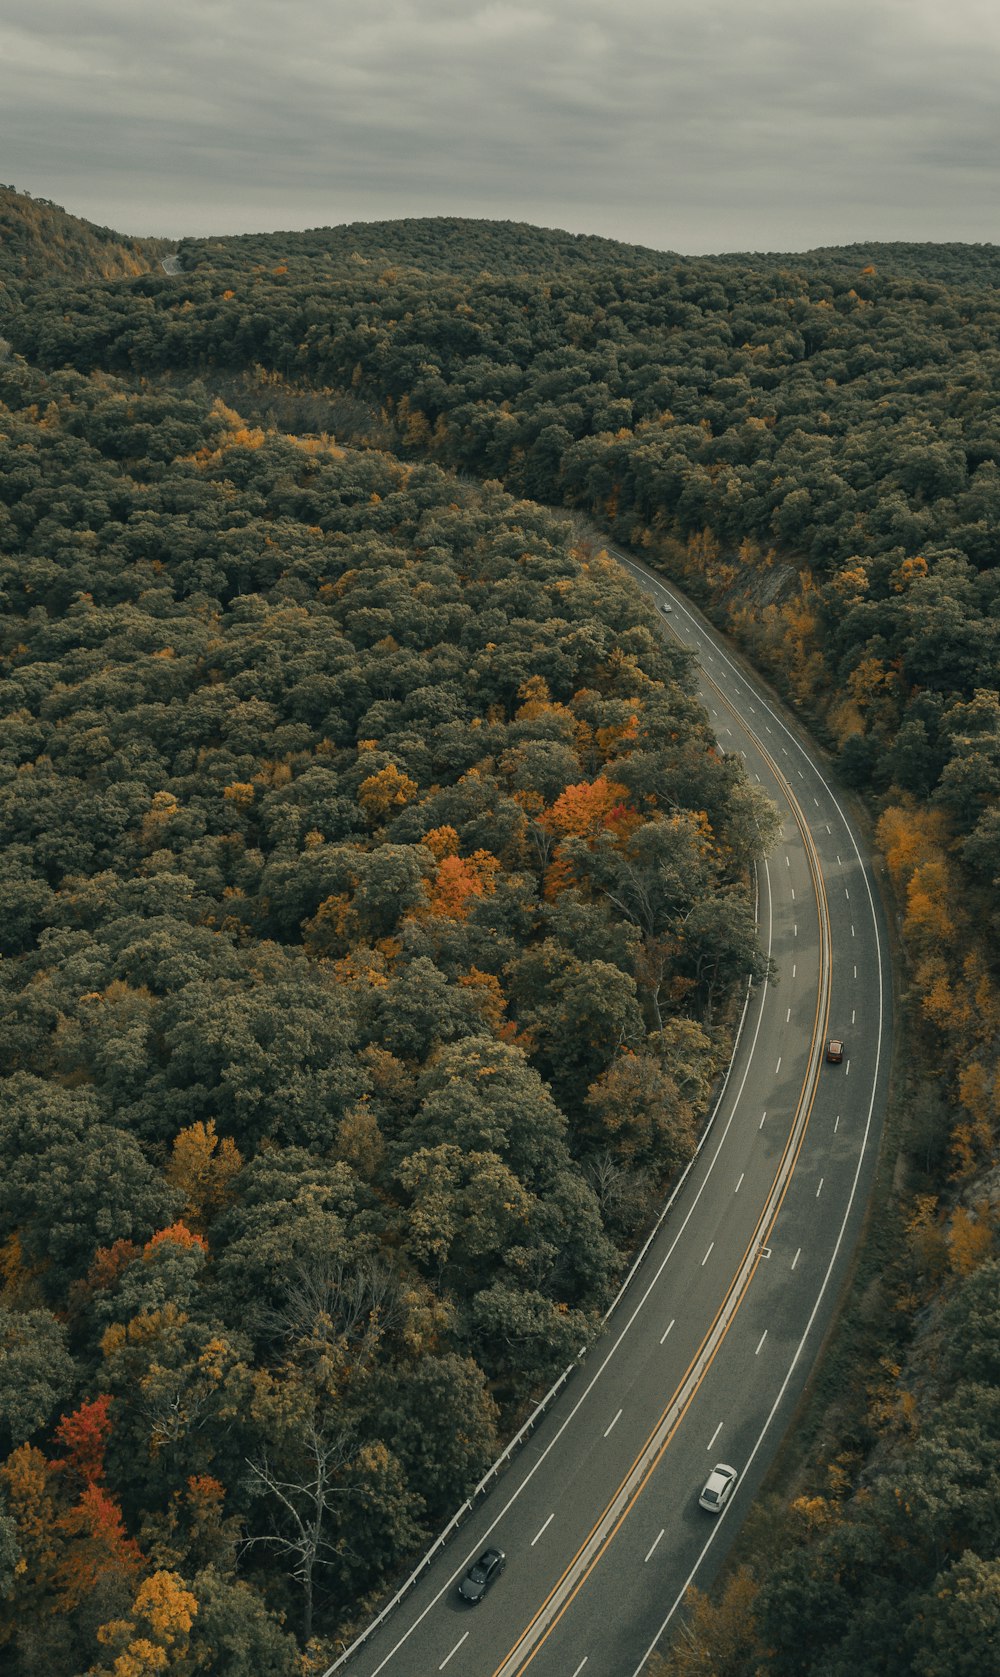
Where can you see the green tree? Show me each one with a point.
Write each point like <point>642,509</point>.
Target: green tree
<point>442,1423</point>
<point>956,1625</point>
<point>37,1373</point>
<point>637,1112</point>
<point>234,1634</point>
<point>522,1338</point>
<point>71,1181</point>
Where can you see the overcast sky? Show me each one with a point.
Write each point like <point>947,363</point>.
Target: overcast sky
<point>688,125</point>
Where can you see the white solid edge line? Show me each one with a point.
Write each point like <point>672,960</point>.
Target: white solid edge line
<point>709,1130</point>
<point>834,1255</point>
<point>682,607</point>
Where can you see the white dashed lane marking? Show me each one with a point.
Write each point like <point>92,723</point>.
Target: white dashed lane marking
<point>454,1651</point>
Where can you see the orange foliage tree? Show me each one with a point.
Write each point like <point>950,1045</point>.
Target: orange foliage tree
<point>95,1546</point>
<point>178,1234</point>
<point>587,809</point>
<point>441,842</point>
<point>584,811</point>
<point>459,882</point>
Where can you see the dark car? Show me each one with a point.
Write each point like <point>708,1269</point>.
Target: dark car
<point>835,1051</point>
<point>481,1574</point>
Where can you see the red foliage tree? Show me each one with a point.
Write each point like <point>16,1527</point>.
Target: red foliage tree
<point>84,1436</point>
<point>96,1546</point>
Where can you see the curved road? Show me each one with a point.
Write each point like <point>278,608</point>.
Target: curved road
<point>707,1352</point>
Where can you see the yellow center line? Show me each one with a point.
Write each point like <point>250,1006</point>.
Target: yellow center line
<point>738,1285</point>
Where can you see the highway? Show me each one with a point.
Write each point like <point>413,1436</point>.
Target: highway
<point>705,1356</point>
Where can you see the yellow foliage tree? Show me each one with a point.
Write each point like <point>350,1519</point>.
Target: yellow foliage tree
<point>490,997</point>
<point>930,914</point>
<point>926,1236</point>
<point>945,1006</point>
<point>386,791</point>
<point>975,1090</point>
<point>27,1484</point>
<point>154,1638</point>
<point>15,1275</point>
<point>156,819</point>
<point>360,1141</point>
<point>331,928</point>
<point>970,1238</point>
<point>240,793</point>
<point>202,1165</point>
<point>535,698</point>
<point>909,836</point>
<point>719,1639</point>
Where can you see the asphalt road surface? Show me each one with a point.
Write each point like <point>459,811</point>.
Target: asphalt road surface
<point>707,1352</point>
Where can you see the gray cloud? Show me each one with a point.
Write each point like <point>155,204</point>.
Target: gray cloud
<point>685,124</point>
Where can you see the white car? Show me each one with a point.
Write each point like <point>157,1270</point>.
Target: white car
<point>718,1488</point>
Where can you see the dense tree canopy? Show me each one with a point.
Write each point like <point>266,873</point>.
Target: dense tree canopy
<point>372,893</point>
<point>320,777</point>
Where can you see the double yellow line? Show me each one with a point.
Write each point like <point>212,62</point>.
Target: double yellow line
<point>620,1505</point>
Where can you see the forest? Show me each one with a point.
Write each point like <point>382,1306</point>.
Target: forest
<point>374,896</point>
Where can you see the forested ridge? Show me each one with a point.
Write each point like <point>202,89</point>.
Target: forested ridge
<point>340,790</point>
<point>39,241</point>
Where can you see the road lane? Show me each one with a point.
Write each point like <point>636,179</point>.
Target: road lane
<point>709,1349</point>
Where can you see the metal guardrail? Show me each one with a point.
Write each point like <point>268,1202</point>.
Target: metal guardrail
<point>545,1403</point>
<point>491,1473</point>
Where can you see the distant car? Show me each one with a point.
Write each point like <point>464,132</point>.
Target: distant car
<point>665,607</point>
<point>481,1574</point>
<point>718,1488</point>
<point>835,1051</point>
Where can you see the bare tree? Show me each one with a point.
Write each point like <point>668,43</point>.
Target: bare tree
<point>304,1504</point>
<point>341,1311</point>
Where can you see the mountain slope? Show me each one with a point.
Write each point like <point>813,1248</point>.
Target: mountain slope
<point>39,241</point>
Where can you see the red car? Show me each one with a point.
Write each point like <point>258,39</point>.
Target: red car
<point>835,1051</point>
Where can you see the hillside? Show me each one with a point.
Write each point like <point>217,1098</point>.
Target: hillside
<point>335,1088</point>
<point>290,719</point>
<point>40,243</point>
<point>442,245</point>
<point>964,266</point>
